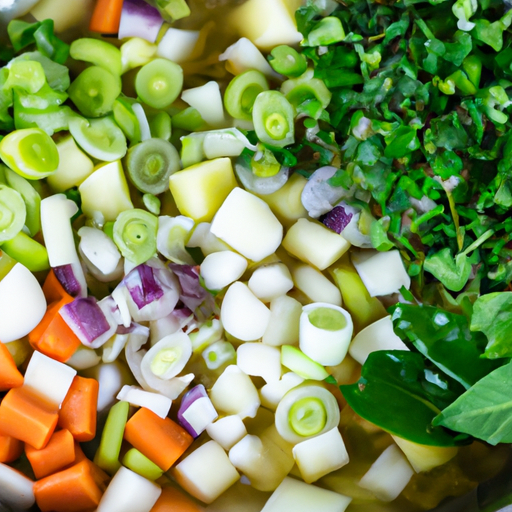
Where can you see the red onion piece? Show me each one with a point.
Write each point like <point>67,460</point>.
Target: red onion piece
<point>139,19</point>
<point>66,276</point>
<point>208,413</point>
<point>337,219</point>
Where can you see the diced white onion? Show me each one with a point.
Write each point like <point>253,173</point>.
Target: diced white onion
<point>17,489</point>
<point>172,235</point>
<point>283,326</point>
<point>273,392</point>
<point>155,402</point>
<point>227,431</point>
<point>244,56</point>
<point>177,44</point>
<point>269,282</point>
<point>222,268</point>
<point>200,413</point>
<point>207,100</point>
<point>83,358</point>
<point>259,360</point>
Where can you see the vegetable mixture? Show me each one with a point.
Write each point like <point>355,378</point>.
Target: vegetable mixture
<point>254,254</point>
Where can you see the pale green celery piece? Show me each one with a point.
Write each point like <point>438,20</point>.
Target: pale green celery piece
<point>126,119</point>
<point>301,364</point>
<point>136,52</point>
<point>97,52</point>
<point>140,464</point>
<point>264,164</point>
<point>101,138</point>
<point>6,264</point>
<point>30,196</point>
<point>26,74</point>
<point>57,75</point>
<point>218,354</point>
<point>135,235</point>
<point>273,118</point>
<point>307,416</point>
<point>12,213</point>
<point>328,30</point>
<point>27,251</point>
<point>188,119</point>
<point>152,203</point>
<point>107,455</point>
<point>192,149</point>
<point>241,93</point>
<point>160,125</point>
<point>173,10</point>
<point>30,152</point>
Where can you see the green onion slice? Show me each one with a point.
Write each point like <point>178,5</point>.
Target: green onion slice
<point>287,61</point>
<point>97,52</point>
<point>241,93</point>
<point>12,213</point>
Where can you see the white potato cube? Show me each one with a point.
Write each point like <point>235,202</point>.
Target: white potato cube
<point>259,360</point>
<point>283,325</point>
<point>129,492</point>
<point>235,393</point>
<point>377,336</point>
<point>22,303</point>
<point>220,269</point>
<point>294,495</point>
<point>207,472</point>
<point>227,431</point>
<point>48,378</point>
<point>155,402</point>
<point>246,223</point>
<point>273,392</point>
<point>270,281</point>
<point>381,272</point>
<point>243,315</point>
<point>177,44</point>
<point>423,457</point>
<point>315,285</point>
<point>313,243</point>
<point>388,475</point>
<point>320,455</point>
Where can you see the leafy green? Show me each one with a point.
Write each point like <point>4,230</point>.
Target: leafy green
<point>485,410</point>
<point>452,272</point>
<point>399,394</point>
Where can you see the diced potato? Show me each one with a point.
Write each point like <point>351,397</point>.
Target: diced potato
<point>200,189</point>
<point>283,325</point>
<point>315,244</point>
<point>269,282</point>
<point>227,431</point>
<point>247,224</point>
<point>259,360</point>
<point>207,472</point>
<point>74,166</point>
<point>315,285</point>
<point>286,202</point>
<point>105,192</point>
<point>220,269</point>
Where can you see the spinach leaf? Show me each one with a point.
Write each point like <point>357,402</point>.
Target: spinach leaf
<point>492,315</point>
<point>444,338</point>
<point>397,393</point>
<point>485,410</point>
<point>453,273</point>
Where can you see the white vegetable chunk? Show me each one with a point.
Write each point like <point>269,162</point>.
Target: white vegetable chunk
<point>283,326</point>
<point>381,272</point>
<point>270,281</point>
<point>17,489</point>
<point>246,223</point>
<point>140,114</point>
<point>83,358</point>
<point>325,333</point>
<point>172,235</point>
<point>273,392</point>
<point>235,393</point>
<point>159,404</point>
<point>99,249</point>
<point>377,336</point>
<point>227,431</point>
<point>243,315</point>
<point>320,455</point>
<point>203,238</point>
<point>22,303</point>
<point>315,285</point>
<point>222,268</point>
<point>129,492</point>
<point>207,100</point>
<point>207,472</point>
<point>177,44</point>
<point>298,496</point>
<point>48,378</point>
<point>200,414</point>
<point>388,475</point>
<point>259,360</point>
<point>243,56</point>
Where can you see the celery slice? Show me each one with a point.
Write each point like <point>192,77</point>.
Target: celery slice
<point>12,213</point>
<point>139,463</point>
<point>26,74</point>
<point>301,364</point>
<point>28,252</point>
<point>161,125</point>
<point>126,119</point>
<point>97,52</point>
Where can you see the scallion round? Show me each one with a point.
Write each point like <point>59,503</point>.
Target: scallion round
<point>287,61</point>
<point>12,213</point>
<point>241,93</point>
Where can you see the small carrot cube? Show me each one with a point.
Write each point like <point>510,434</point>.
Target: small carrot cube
<point>57,454</point>
<point>53,290</point>
<point>78,410</point>
<point>10,376</point>
<point>10,448</point>
<point>26,417</point>
<point>173,500</point>
<point>161,440</point>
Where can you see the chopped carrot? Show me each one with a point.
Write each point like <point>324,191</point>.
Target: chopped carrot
<point>70,490</point>
<point>10,448</point>
<point>26,417</point>
<point>100,477</point>
<point>173,500</point>
<point>161,440</point>
<point>10,376</point>
<point>53,336</point>
<point>78,410</point>
<point>56,455</point>
<point>52,289</point>
<point>106,16</point>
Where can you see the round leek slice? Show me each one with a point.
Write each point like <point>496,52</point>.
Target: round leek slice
<point>159,83</point>
<point>135,235</point>
<point>12,213</point>
<point>241,93</point>
<point>30,152</point>
<point>101,138</point>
